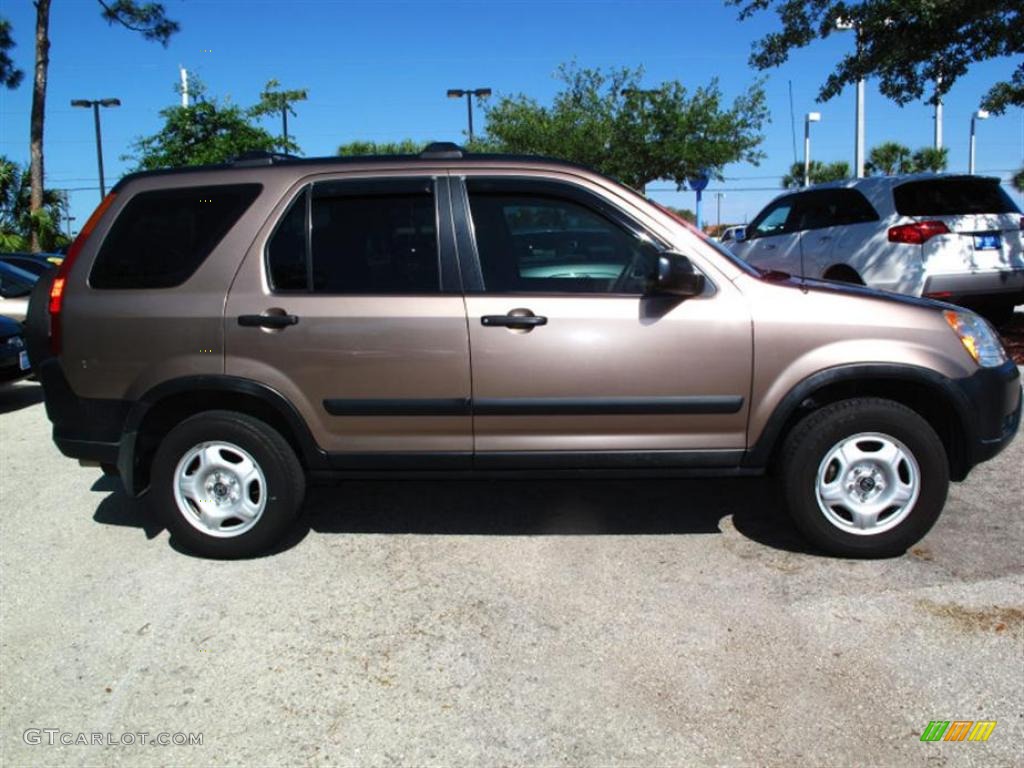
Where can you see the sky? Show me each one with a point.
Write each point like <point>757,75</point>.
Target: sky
<point>379,71</point>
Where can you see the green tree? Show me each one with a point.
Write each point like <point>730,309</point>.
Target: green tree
<point>274,101</point>
<point>818,173</point>
<point>602,118</point>
<point>148,19</point>
<point>888,159</point>
<point>10,75</point>
<point>1018,180</point>
<point>204,132</point>
<point>930,159</point>
<point>912,46</point>
<point>362,148</point>
<point>16,218</point>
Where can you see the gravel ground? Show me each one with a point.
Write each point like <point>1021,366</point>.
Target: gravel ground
<point>502,623</point>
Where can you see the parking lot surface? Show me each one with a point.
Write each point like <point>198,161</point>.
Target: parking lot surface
<point>599,622</point>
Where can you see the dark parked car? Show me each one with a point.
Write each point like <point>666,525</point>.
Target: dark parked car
<point>13,357</point>
<point>36,263</point>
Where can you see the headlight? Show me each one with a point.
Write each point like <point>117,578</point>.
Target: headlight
<point>977,337</point>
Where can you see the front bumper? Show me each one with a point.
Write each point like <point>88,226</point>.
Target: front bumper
<point>994,396</point>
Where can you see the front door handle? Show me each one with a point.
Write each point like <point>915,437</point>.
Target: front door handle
<point>513,321</point>
<point>267,321</point>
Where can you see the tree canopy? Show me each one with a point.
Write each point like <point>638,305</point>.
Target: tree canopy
<point>360,148</point>
<point>1018,180</point>
<point>10,75</point>
<point>915,48</point>
<point>604,119</point>
<point>207,131</point>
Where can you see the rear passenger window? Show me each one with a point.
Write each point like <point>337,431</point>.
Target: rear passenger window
<point>833,208</point>
<point>363,238</point>
<point>161,237</point>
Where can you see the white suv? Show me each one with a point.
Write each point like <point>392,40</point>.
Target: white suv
<point>956,238</point>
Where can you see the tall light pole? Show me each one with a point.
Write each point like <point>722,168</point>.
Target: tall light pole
<point>938,114</point>
<point>812,117</point>
<point>858,141</point>
<point>99,141</point>
<point>469,93</point>
<point>981,114</point>
<point>718,199</point>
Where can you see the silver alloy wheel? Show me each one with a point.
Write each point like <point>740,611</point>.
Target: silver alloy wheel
<point>220,489</point>
<point>868,483</point>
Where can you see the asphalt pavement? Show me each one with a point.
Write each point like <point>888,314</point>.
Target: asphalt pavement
<point>458,623</point>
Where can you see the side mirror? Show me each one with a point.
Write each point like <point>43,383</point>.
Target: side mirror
<point>740,235</point>
<point>676,276</point>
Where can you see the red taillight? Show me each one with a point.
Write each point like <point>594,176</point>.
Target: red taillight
<point>61,278</point>
<point>916,234</point>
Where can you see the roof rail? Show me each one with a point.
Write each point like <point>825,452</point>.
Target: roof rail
<point>442,150</point>
<point>261,157</point>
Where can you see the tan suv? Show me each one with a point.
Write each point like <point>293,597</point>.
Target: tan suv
<point>217,335</point>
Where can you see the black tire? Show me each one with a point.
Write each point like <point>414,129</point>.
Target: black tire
<point>284,480</point>
<point>811,440</point>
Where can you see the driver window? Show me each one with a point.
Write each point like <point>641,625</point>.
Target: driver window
<point>777,219</point>
<point>535,243</point>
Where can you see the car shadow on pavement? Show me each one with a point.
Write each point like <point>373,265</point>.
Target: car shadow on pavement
<point>576,507</point>
<point>14,398</point>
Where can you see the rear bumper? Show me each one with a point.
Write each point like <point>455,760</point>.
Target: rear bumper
<point>83,428</point>
<point>997,284</point>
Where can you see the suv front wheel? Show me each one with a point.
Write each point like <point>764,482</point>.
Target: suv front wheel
<point>864,477</point>
<point>226,485</point>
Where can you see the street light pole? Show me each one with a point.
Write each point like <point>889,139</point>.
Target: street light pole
<point>981,114</point>
<point>858,140</point>
<point>469,93</point>
<point>812,117</point>
<point>718,197</point>
<point>95,105</point>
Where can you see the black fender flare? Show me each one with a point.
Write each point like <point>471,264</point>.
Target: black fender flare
<point>759,454</point>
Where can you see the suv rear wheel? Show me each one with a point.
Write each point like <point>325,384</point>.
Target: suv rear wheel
<point>226,485</point>
<point>864,477</point>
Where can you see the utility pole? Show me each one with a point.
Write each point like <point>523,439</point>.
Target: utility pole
<point>938,114</point>
<point>858,139</point>
<point>718,199</point>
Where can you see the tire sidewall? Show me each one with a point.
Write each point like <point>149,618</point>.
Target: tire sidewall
<point>897,422</point>
<point>281,505</point>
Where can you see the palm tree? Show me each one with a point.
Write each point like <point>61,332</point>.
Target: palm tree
<point>888,159</point>
<point>931,159</point>
<point>18,222</point>
<point>148,19</point>
<point>819,173</point>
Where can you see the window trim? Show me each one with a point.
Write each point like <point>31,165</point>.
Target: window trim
<point>445,248</point>
<point>472,271</point>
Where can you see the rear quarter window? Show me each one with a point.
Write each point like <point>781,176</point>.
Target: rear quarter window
<point>952,197</point>
<point>160,238</point>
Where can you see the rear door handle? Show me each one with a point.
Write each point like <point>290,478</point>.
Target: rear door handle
<point>513,321</point>
<point>267,321</point>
